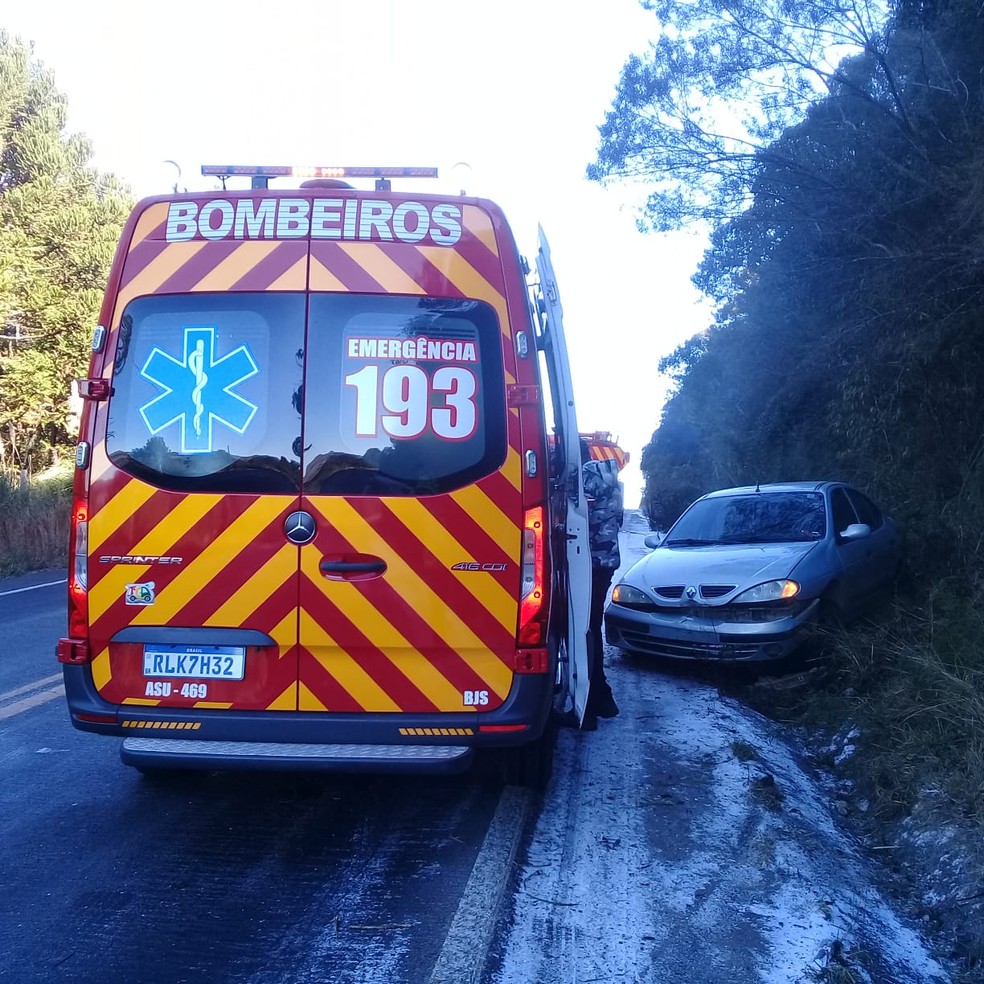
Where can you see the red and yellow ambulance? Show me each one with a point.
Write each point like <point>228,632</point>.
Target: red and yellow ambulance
<point>314,522</point>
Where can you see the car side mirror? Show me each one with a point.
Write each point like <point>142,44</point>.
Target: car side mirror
<point>653,540</point>
<point>856,531</point>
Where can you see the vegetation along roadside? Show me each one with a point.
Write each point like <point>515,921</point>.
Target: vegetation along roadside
<point>847,229</point>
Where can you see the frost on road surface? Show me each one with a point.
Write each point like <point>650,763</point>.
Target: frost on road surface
<point>684,842</point>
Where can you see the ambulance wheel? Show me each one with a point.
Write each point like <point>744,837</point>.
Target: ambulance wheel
<point>530,765</point>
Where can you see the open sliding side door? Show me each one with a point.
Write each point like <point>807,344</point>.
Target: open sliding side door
<point>577,571</point>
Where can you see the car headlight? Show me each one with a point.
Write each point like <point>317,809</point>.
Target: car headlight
<point>769,591</point>
<point>625,594</point>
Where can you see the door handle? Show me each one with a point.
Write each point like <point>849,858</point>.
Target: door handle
<point>356,567</point>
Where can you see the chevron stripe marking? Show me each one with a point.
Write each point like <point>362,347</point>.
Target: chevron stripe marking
<point>512,470</point>
<point>477,222</point>
<point>497,524</point>
<point>448,550</point>
<point>381,268</point>
<point>417,593</point>
<point>287,701</point>
<point>463,665</point>
<point>469,281</point>
<point>343,669</point>
<point>434,732</point>
<point>148,516</point>
<point>237,609</point>
<point>102,670</point>
<point>185,515</point>
<point>122,505</point>
<point>293,278</point>
<point>479,598</point>
<point>151,220</point>
<point>353,276</point>
<point>155,273</point>
<point>208,565</point>
<point>400,687</point>
<point>235,266</point>
<point>286,257</point>
<point>285,630</point>
<point>323,279</point>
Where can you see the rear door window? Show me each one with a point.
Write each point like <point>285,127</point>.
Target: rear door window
<point>867,511</point>
<point>844,515</point>
<point>403,395</point>
<point>207,392</point>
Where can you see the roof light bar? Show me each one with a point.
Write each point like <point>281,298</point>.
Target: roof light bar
<point>276,171</point>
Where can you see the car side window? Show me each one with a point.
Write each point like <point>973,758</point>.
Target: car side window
<point>844,515</point>
<point>867,511</point>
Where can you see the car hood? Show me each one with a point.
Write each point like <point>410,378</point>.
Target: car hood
<point>741,565</point>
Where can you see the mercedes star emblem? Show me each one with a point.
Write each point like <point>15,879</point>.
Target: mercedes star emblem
<point>299,527</point>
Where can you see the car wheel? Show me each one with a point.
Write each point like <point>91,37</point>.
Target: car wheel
<point>831,616</point>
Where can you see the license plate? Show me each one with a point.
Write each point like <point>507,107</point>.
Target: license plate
<point>200,662</point>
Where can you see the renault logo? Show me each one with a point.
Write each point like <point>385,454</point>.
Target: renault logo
<point>299,527</point>
<point>691,591</point>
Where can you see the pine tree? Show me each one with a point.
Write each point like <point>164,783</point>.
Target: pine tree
<point>59,223</point>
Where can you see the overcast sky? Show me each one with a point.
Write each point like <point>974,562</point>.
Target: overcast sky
<point>515,88</point>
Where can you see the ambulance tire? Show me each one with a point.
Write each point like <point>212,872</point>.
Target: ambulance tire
<point>531,765</point>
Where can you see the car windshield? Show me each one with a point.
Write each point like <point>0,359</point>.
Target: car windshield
<point>761,517</point>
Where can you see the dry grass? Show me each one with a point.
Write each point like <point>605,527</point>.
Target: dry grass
<point>34,525</point>
<point>915,687</point>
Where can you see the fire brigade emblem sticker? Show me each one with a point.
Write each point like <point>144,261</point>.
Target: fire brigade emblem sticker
<point>198,390</point>
<point>141,594</point>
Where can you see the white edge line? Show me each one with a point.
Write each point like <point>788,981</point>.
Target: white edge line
<point>33,587</point>
<point>28,702</point>
<point>462,958</point>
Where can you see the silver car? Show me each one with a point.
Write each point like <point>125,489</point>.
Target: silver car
<point>742,573</point>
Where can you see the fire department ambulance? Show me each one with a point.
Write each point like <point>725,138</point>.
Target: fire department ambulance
<point>317,519</point>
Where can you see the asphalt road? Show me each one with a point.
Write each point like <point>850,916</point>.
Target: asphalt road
<point>688,840</point>
<point>107,877</point>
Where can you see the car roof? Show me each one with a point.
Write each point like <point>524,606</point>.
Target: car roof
<point>770,488</point>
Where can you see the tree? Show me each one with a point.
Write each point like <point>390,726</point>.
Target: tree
<point>721,83</point>
<point>59,223</point>
<point>851,294</point>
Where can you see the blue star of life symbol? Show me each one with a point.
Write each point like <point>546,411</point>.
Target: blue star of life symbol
<point>198,390</point>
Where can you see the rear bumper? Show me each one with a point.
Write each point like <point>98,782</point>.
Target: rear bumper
<point>208,738</point>
<point>190,753</point>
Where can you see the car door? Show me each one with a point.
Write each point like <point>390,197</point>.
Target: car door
<point>858,558</point>
<point>576,574</point>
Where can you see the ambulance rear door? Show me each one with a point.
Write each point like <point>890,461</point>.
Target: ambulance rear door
<point>577,572</point>
<point>195,475</point>
<point>410,585</point>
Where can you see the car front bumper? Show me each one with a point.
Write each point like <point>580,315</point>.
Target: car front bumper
<point>683,636</point>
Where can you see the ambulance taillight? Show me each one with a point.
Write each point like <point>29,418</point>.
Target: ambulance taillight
<point>75,648</point>
<point>533,607</point>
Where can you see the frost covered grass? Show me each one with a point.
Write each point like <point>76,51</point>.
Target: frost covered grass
<point>34,524</point>
<point>902,701</point>
<point>914,687</point>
